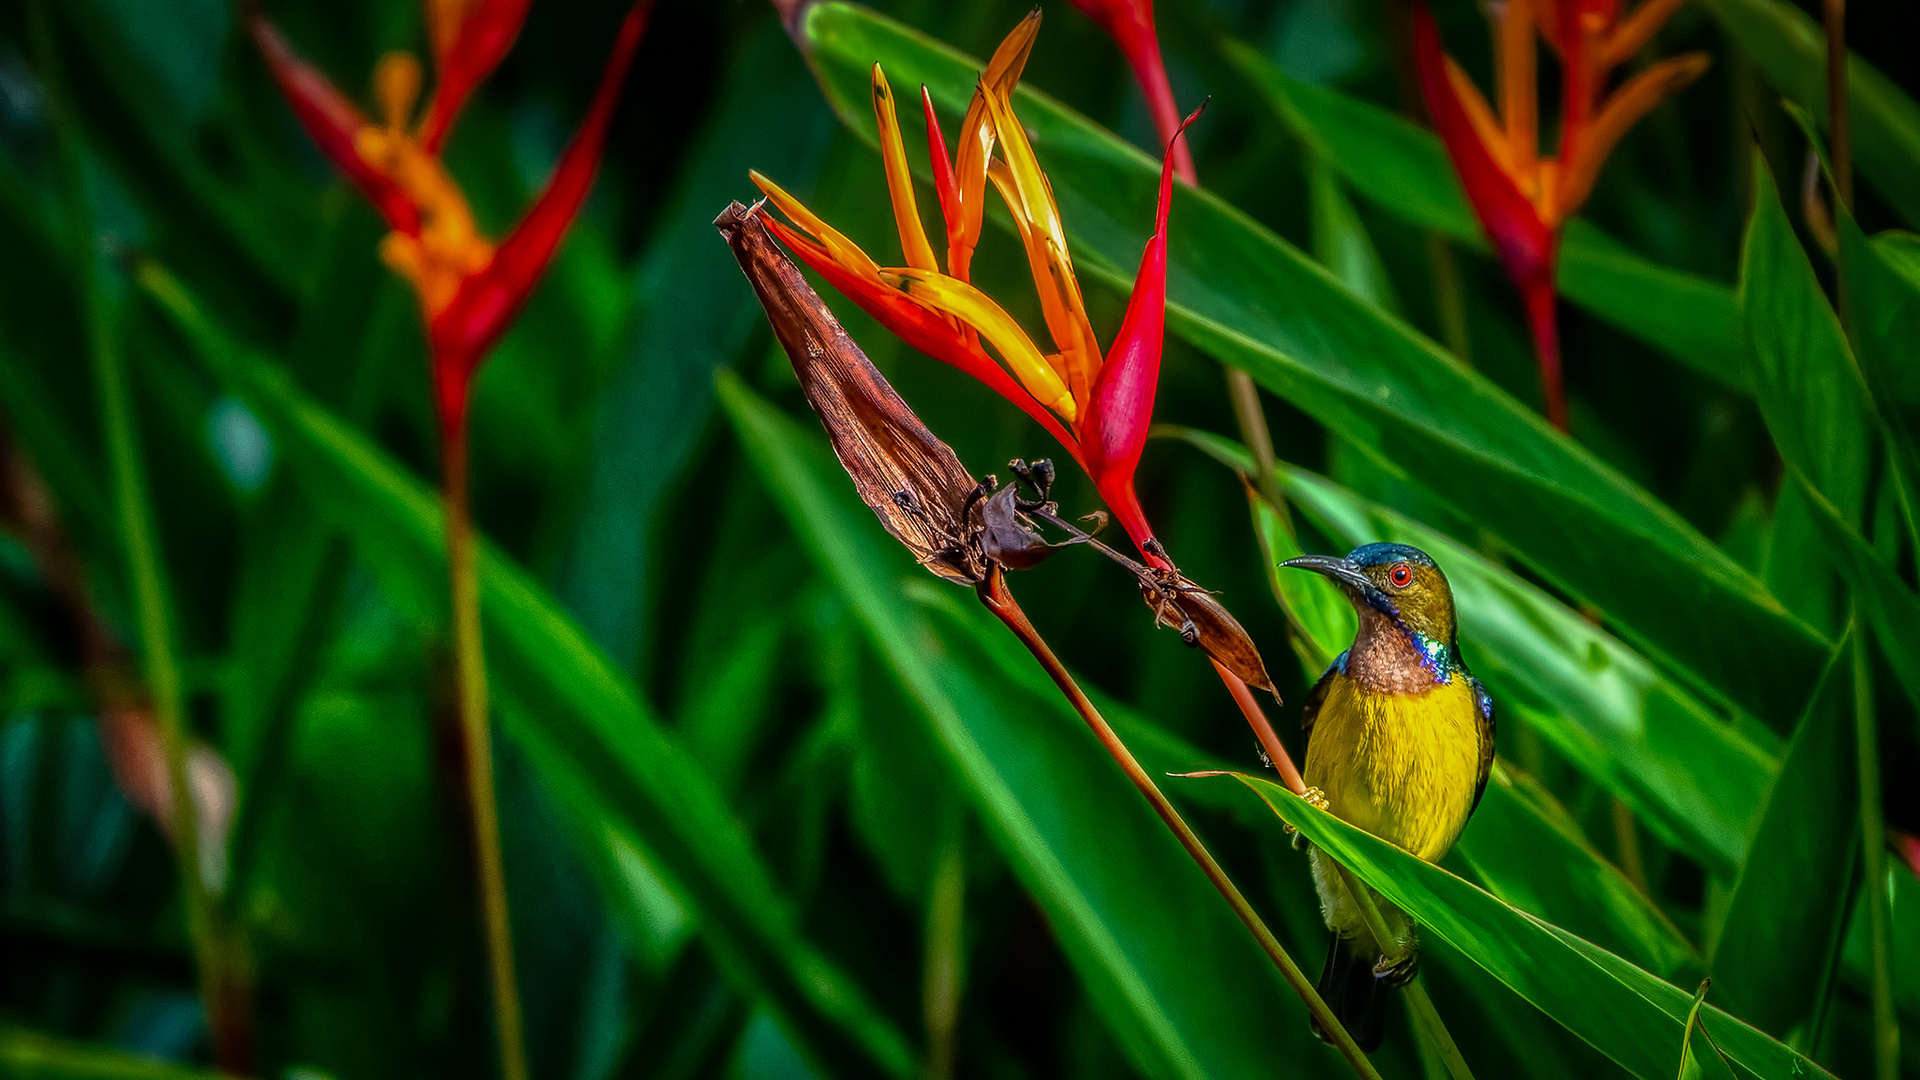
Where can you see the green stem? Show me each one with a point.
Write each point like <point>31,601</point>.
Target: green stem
<point>941,982</point>
<point>1418,1003</point>
<point>1873,838</point>
<point>999,600</point>
<point>464,583</point>
<point>222,999</point>
<point>1449,298</point>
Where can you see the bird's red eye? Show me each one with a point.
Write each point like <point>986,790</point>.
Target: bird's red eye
<point>1401,575</point>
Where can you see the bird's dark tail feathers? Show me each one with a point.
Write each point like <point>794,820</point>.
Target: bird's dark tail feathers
<point>1356,995</point>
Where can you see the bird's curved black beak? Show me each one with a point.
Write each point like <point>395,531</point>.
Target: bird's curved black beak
<point>1345,571</point>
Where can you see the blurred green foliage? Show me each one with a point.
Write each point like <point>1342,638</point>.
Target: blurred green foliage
<point>751,758</point>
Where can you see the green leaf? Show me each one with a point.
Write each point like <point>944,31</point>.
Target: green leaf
<point>25,1055</point>
<point>1890,608</point>
<point>1403,169</point>
<point>1321,620</point>
<point>1341,242</point>
<point>1885,323</point>
<point>1527,850</point>
<point>1247,297</point>
<point>1809,389</point>
<point>1689,775</point>
<point>1176,977</point>
<point>1632,1016</point>
<point>1778,941</point>
<point>581,722</point>
<point>1791,50</point>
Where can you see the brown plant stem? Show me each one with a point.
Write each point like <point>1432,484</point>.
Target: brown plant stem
<point>1839,135</point>
<point>996,597</point>
<point>464,584</point>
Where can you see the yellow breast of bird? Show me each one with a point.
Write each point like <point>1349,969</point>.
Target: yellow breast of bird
<point>1401,766</point>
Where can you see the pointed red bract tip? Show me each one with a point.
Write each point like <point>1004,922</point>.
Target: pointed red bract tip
<point>487,302</point>
<point>944,184</point>
<point>1114,430</point>
<point>484,38</point>
<point>332,122</point>
<point>1525,244</point>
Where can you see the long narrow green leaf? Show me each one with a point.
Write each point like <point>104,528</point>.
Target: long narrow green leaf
<point>1809,389</point>
<point>580,720</point>
<point>1179,982</point>
<point>1689,775</point>
<point>1403,169</point>
<point>1632,1016</point>
<point>25,1055</point>
<point>1781,932</point>
<point>1247,297</point>
<point>1791,50</point>
<point>1885,307</point>
<point>1890,608</point>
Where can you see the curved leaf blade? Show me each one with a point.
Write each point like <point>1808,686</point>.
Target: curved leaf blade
<point>1632,1016</point>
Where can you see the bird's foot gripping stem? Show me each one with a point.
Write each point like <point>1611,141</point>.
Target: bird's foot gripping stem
<point>1397,971</point>
<point>1315,798</point>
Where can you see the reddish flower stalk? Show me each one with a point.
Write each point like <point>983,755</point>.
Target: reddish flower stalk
<point>1522,198</point>
<point>470,291</point>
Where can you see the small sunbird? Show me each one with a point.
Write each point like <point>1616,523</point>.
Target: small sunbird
<point>1399,743</point>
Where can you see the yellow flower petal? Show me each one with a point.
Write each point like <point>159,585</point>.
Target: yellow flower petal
<point>893,151</point>
<point>1637,29</point>
<point>1519,90</point>
<point>975,145</point>
<point>844,251</point>
<point>1029,195</point>
<point>949,296</point>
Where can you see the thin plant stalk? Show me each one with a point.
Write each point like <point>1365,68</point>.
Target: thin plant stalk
<point>995,595</point>
<point>133,510</point>
<point>464,584</point>
<point>942,979</point>
<point>1449,297</point>
<point>1838,125</point>
<point>221,997</point>
<point>1418,1003</point>
<point>1873,839</point>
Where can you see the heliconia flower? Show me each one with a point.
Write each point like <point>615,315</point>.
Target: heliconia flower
<point>1099,407</point>
<point>1130,24</point>
<point>469,289</point>
<point>1521,197</point>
